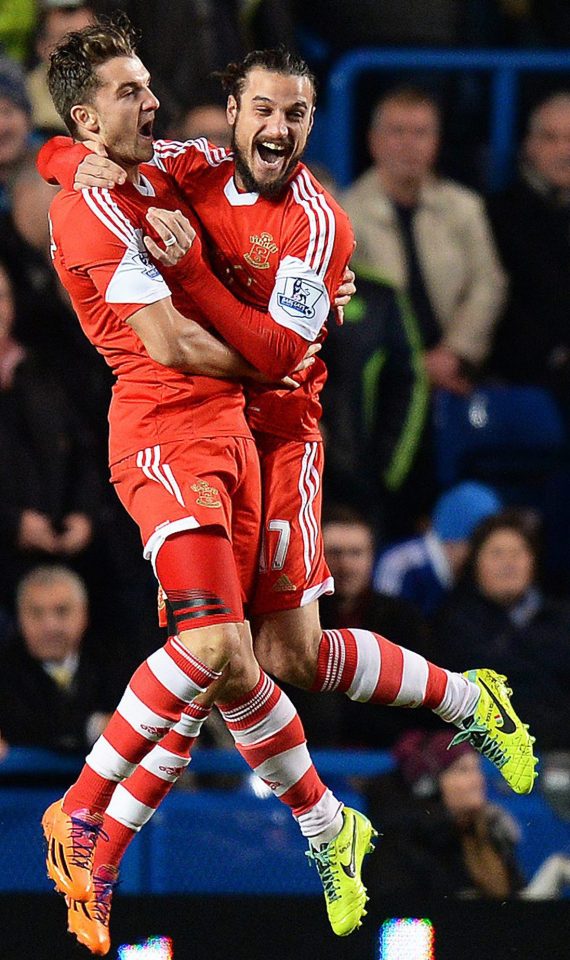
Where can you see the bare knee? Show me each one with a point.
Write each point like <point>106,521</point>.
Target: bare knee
<point>289,654</point>
<point>216,645</point>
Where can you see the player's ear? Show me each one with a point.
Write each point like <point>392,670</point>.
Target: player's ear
<point>231,110</point>
<point>85,116</point>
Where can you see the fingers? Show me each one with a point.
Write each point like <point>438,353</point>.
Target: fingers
<point>339,316</point>
<point>176,232</point>
<point>98,171</point>
<point>314,348</point>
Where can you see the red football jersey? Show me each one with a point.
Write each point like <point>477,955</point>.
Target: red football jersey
<point>286,255</point>
<point>102,262</point>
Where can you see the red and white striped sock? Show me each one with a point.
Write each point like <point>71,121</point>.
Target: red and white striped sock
<point>152,703</point>
<point>269,735</point>
<point>367,667</point>
<point>135,799</point>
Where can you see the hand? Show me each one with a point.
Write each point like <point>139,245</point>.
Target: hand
<point>77,531</point>
<point>344,294</point>
<point>307,361</point>
<point>443,368</point>
<point>97,170</point>
<point>170,224</point>
<point>36,532</point>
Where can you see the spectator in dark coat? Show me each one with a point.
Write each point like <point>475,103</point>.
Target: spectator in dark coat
<point>441,836</point>
<point>499,616</point>
<point>531,223</point>
<point>49,483</point>
<point>56,690</point>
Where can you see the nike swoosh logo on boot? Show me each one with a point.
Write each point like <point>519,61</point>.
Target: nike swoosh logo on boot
<point>350,868</point>
<point>508,724</point>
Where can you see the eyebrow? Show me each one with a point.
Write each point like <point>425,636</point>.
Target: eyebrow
<point>298,103</point>
<point>133,83</point>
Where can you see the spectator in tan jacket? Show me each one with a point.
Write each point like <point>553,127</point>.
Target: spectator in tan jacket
<point>428,236</point>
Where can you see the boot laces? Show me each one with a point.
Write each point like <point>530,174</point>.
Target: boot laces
<point>103,893</point>
<point>84,835</point>
<point>326,871</point>
<point>477,735</point>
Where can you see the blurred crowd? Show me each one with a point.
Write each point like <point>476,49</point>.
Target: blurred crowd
<point>460,321</point>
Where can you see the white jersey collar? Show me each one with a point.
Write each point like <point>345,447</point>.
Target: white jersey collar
<point>238,199</point>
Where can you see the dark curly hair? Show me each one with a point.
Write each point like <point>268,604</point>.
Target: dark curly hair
<point>72,75</point>
<point>275,60</point>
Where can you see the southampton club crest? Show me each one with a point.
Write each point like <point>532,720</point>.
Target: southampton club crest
<point>261,248</point>
<point>298,296</point>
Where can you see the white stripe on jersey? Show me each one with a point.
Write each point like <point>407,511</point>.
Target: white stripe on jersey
<point>93,199</point>
<point>175,148</point>
<point>321,200</point>
<point>321,219</point>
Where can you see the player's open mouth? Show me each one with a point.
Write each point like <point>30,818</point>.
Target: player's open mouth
<point>272,155</point>
<point>146,130</point>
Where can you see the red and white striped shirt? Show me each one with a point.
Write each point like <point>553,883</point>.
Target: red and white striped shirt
<point>285,255</point>
<point>101,260</point>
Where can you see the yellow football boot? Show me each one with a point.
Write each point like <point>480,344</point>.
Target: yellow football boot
<point>497,733</point>
<point>339,864</point>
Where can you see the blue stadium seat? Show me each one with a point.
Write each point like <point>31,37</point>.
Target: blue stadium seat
<point>510,437</point>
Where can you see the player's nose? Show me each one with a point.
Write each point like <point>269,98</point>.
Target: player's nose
<point>151,102</point>
<point>277,126</point>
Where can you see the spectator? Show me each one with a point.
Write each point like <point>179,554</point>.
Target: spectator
<point>56,19</point>
<point>56,689</point>
<point>49,484</point>
<point>423,570</point>
<point>498,614</point>
<point>45,321</point>
<point>442,837</point>
<point>531,220</point>
<point>15,128</point>
<point>430,238</point>
<point>206,120</point>
<point>349,548</point>
<point>376,398</point>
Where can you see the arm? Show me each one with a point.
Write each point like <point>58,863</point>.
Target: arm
<point>176,341</point>
<point>269,347</point>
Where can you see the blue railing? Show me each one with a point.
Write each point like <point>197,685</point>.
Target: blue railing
<point>21,762</point>
<point>505,67</point>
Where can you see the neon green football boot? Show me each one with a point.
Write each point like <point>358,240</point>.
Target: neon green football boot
<point>497,733</point>
<point>339,863</point>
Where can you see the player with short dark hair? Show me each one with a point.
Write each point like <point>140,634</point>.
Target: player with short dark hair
<point>185,467</point>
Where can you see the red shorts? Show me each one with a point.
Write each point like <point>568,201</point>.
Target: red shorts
<point>293,571</point>
<point>182,485</point>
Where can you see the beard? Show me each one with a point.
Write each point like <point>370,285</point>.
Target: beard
<point>270,190</point>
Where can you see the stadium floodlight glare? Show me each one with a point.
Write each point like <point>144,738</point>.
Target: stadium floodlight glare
<point>406,938</point>
<point>154,948</point>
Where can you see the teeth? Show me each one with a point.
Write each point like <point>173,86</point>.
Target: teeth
<point>272,146</point>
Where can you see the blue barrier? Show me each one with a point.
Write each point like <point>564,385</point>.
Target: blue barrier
<point>234,841</point>
<point>505,66</point>
<point>20,762</point>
